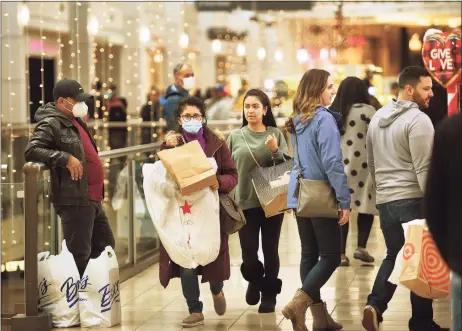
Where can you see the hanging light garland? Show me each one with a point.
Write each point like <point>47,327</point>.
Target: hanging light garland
<point>10,126</point>
<point>60,45</point>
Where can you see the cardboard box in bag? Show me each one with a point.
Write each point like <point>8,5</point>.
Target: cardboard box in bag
<point>189,167</point>
<point>423,270</point>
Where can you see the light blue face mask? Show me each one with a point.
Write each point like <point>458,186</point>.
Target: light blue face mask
<point>192,126</point>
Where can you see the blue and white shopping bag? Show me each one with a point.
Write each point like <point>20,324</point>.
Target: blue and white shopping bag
<point>58,284</point>
<point>99,301</point>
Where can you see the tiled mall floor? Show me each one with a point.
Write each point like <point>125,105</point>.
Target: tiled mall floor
<point>146,306</point>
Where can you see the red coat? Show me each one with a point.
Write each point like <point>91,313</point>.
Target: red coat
<point>218,270</point>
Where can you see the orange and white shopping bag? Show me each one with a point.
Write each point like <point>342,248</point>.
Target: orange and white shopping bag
<point>423,270</point>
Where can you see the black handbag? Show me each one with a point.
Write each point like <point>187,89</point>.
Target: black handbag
<point>232,218</point>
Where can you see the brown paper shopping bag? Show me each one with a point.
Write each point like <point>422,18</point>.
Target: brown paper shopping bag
<point>423,270</point>
<point>189,167</point>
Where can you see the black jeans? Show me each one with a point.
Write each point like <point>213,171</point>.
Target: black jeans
<point>249,237</point>
<point>392,215</point>
<point>86,231</point>
<point>365,222</point>
<point>320,239</point>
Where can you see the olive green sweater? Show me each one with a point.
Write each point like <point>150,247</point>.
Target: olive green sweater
<point>245,164</point>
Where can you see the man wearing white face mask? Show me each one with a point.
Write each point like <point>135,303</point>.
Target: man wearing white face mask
<point>184,81</point>
<point>62,141</point>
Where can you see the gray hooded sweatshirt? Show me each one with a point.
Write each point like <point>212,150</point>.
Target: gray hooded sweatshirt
<point>399,145</point>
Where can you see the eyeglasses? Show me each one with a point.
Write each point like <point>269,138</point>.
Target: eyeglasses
<point>189,117</point>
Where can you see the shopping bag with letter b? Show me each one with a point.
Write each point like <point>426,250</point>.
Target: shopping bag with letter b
<point>99,292</point>
<point>58,285</point>
<point>423,270</point>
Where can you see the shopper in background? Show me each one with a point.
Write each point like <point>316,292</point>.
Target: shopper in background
<point>183,75</point>
<point>320,158</point>
<point>399,144</point>
<point>268,146</point>
<point>117,114</point>
<point>151,111</point>
<point>192,126</point>
<point>443,199</point>
<point>353,102</point>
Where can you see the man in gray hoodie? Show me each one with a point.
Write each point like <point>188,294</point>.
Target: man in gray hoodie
<point>399,143</point>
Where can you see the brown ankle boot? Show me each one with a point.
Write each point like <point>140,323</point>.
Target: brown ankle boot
<point>295,310</point>
<point>322,321</point>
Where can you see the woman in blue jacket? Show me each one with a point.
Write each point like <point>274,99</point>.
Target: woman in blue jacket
<point>320,159</point>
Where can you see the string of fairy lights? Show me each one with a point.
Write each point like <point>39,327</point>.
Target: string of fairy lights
<point>11,240</point>
<point>77,35</point>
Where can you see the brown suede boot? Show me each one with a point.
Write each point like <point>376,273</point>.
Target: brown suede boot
<point>295,310</point>
<point>322,321</point>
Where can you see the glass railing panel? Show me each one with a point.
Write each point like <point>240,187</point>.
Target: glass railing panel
<point>12,229</point>
<point>117,205</point>
<point>146,237</point>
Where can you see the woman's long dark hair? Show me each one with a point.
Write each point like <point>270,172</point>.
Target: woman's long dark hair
<point>351,90</point>
<point>268,119</point>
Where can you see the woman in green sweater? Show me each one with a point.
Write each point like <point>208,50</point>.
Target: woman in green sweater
<point>268,146</point>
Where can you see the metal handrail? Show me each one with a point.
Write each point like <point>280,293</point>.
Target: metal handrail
<point>138,123</point>
<point>129,150</point>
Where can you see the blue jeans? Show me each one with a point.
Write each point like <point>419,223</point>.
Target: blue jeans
<point>456,303</point>
<point>321,246</point>
<point>392,215</point>
<point>191,291</point>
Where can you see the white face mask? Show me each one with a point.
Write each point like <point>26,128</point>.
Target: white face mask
<point>189,83</point>
<point>80,109</point>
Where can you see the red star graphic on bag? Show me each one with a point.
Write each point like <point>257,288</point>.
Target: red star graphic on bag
<point>186,208</point>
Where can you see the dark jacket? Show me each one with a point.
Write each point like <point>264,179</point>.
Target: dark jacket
<point>218,270</point>
<point>443,194</point>
<point>149,113</point>
<point>173,96</point>
<point>55,138</point>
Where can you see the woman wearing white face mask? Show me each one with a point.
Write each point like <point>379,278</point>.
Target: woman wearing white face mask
<point>191,120</point>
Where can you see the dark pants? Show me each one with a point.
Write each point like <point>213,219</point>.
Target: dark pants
<point>365,222</point>
<point>392,215</point>
<point>86,231</point>
<point>249,237</point>
<point>320,239</point>
<point>191,291</point>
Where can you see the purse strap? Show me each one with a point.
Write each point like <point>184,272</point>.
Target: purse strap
<point>250,151</point>
<point>298,155</point>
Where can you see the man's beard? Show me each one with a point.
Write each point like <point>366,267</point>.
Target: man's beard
<point>419,101</point>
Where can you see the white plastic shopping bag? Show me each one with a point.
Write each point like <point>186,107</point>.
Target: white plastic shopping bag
<point>100,295</point>
<point>188,226</point>
<point>58,283</point>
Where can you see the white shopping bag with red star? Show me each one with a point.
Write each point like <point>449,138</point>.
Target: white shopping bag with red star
<point>188,226</point>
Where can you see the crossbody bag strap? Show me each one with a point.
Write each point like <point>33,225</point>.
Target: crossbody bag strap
<point>298,154</point>
<point>250,151</point>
